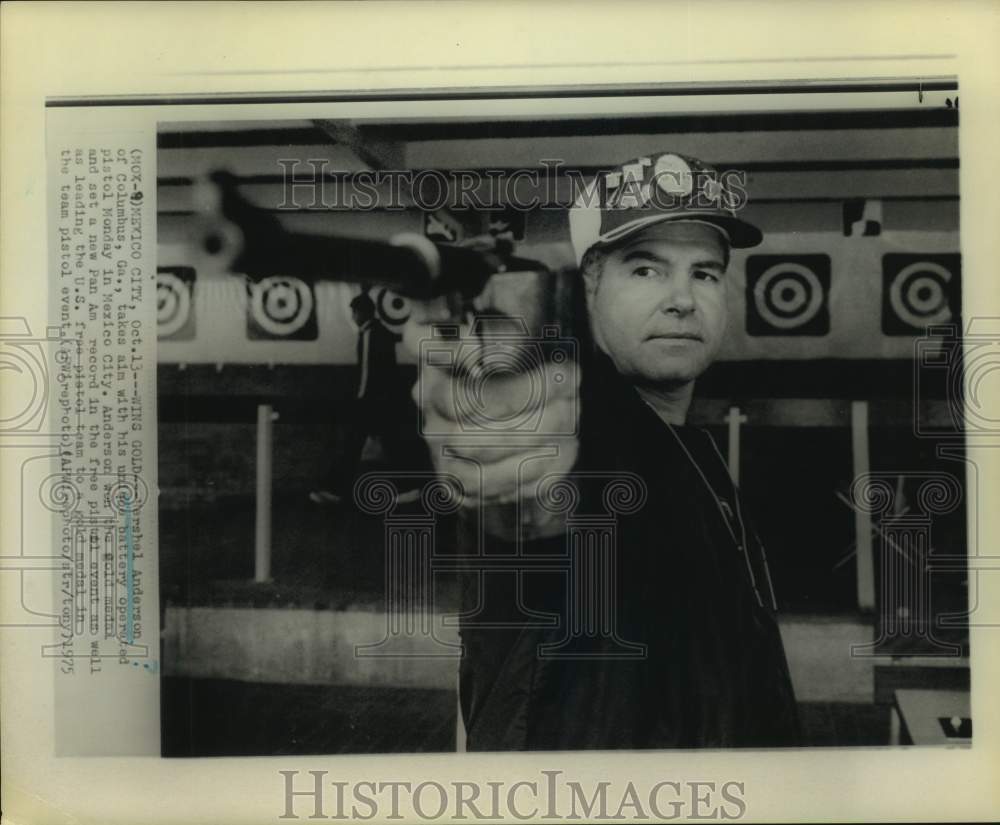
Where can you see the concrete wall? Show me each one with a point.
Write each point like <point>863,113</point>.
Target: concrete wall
<point>306,647</point>
<point>318,647</point>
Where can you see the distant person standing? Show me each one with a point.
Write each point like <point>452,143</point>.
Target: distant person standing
<point>377,402</point>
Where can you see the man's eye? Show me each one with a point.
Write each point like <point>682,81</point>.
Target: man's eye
<point>703,275</point>
<point>645,272</point>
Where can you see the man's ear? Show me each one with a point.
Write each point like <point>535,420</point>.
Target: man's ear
<point>588,290</point>
<point>591,280</point>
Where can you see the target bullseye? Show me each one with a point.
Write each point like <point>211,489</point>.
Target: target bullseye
<point>392,309</point>
<point>918,294</point>
<point>281,306</point>
<point>920,290</point>
<point>173,304</point>
<point>788,295</point>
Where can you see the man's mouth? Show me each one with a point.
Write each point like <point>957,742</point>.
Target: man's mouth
<point>676,336</point>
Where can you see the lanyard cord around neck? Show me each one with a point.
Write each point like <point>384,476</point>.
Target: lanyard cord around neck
<point>726,512</point>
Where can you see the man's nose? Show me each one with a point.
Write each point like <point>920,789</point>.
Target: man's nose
<point>678,297</point>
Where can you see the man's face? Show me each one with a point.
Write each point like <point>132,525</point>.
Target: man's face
<point>659,308</point>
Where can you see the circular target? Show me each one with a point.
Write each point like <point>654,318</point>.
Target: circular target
<point>173,304</point>
<point>281,306</point>
<point>392,309</point>
<point>919,295</point>
<point>788,295</point>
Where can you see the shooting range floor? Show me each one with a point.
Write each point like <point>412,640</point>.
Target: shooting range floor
<point>323,557</point>
<point>218,717</point>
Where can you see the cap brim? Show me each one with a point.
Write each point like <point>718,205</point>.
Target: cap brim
<point>741,235</point>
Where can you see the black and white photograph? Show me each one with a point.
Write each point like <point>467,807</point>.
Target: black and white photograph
<point>556,422</point>
<point>499,411</point>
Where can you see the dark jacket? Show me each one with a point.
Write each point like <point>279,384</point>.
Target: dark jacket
<point>691,585</point>
<point>376,350</point>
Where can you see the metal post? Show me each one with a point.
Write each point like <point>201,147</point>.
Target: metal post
<point>735,419</point>
<point>262,526</point>
<point>862,518</point>
<point>459,722</point>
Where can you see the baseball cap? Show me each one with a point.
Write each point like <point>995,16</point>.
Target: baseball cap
<point>657,188</point>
